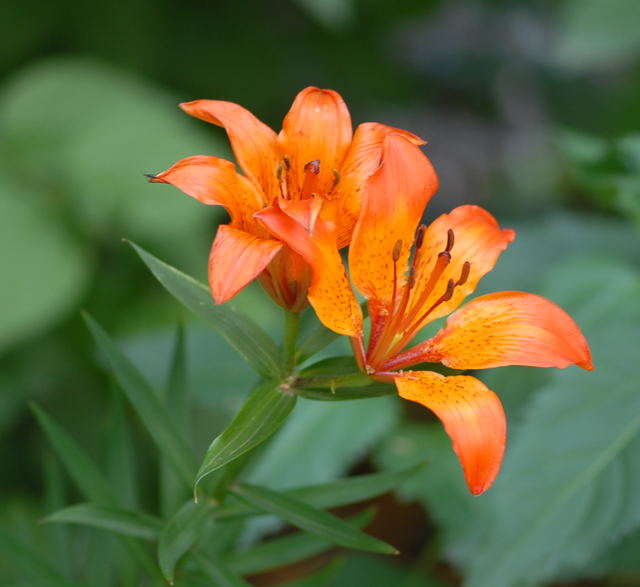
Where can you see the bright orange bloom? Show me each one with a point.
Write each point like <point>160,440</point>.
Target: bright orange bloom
<point>411,275</point>
<point>314,170</point>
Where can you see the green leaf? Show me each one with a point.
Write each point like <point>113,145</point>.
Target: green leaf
<point>571,480</point>
<point>114,519</point>
<point>595,34</point>
<point>175,399</point>
<point>239,331</point>
<point>261,415</point>
<point>28,226</point>
<point>318,339</point>
<point>337,493</point>
<point>308,518</point>
<point>322,441</point>
<point>180,533</point>
<point>354,489</point>
<point>219,573</point>
<point>375,389</point>
<point>147,405</point>
<point>285,550</point>
<point>80,467</point>
<point>338,378</point>
<point>121,465</point>
<point>28,560</point>
<point>88,478</point>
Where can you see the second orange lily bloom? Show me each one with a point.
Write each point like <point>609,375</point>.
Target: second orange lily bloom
<point>411,275</point>
<point>315,169</point>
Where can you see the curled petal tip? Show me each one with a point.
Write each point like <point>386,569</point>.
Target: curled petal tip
<point>152,177</point>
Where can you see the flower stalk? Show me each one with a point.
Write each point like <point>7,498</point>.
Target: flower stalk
<point>291,329</point>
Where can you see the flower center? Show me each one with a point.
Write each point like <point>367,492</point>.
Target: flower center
<point>412,300</point>
<point>309,187</point>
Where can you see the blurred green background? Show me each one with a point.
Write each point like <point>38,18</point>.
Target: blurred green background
<point>531,109</point>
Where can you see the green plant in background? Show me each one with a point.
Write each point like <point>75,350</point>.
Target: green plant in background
<point>462,73</point>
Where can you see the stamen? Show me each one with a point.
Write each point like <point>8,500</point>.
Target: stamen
<point>411,280</point>
<point>311,171</point>
<point>419,237</point>
<point>450,241</point>
<point>336,178</point>
<point>397,249</point>
<point>280,169</point>
<point>313,166</point>
<point>464,275</point>
<point>287,162</point>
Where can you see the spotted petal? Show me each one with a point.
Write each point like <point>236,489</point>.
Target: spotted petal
<point>472,416</point>
<point>317,128</point>
<point>506,328</point>
<point>254,143</point>
<point>215,181</point>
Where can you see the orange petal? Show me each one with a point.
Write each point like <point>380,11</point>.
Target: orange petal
<point>393,203</point>
<point>508,328</point>
<point>214,181</point>
<point>236,259</point>
<point>363,158</point>
<point>286,279</point>
<point>254,144</point>
<point>478,240</point>
<point>318,127</point>
<point>330,293</point>
<point>472,416</point>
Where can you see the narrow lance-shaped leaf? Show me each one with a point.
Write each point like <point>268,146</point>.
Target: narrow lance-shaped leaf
<point>308,518</point>
<point>219,573</point>
<point>82,469</point>
<point>180,533</point>
<point>88,479</point>
<point>260,416</point>
<point>114,519</point>
<point>336,493</point>
<point>172,492</point>
<point>259,350</point>
<point>147,405</point>
<point>29,561</point>
<point>284,550</point>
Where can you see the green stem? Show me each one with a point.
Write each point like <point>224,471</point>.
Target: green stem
<point>291,327</point>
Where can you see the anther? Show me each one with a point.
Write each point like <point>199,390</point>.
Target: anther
<point>450,241</point>
<point>313,166</point>
<point>336,178</point>
<point>280,169</point>
<point>411,280</point>
<point>287,162</point>
<point>397,248</point>
<point>420,236</point>
<point>464,274</point>
<point>449,293</point>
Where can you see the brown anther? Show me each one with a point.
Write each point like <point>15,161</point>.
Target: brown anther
<point>313,166</point>
<point>411,280</point>
<point>397,249</point>
<point>450,241</point>
<point>280,169</point>
<point>464,274</point>
<point>287,162</point>
<point>336,177</point>
<point>449,293</point>
<point>420,236</point>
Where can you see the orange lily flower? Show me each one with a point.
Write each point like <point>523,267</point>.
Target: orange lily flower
<point>314,169</point>
<point>411,275</point>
